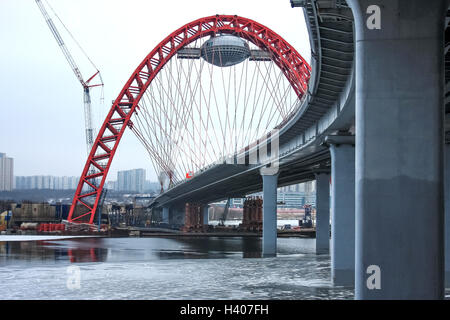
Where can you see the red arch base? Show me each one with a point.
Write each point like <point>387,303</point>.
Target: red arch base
<point>294,67</point>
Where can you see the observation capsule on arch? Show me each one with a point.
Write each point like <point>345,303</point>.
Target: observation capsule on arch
<point>225,50</point>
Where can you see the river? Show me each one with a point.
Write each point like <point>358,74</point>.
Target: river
<point>165,268</point>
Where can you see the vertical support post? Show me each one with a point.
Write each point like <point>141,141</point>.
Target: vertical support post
<point>342,151</point>
<point>245,218</point>
<point>187,217</point>
<point>199,215</point>
<point>322,213</point>
<point>399,148</point>
<point>259,215</point>
<point>206,214</point>
<point>165,215</point>
<point>269,241</point>
<point>447,214</point>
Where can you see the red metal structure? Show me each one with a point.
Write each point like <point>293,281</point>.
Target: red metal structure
<point>252,214</point>
<point>293,66</point>
<point>193,218</point>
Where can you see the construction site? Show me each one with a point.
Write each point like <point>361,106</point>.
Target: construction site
<point>140,219</point>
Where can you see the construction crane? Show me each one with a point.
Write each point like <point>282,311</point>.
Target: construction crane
<point>225,213</point>
<point>85,84</point>
<point>100,207</point>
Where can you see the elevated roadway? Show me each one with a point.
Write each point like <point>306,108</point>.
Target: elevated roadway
<point>327,109</point>
<point>380,72</point>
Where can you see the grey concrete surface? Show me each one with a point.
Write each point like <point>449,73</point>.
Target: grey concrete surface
<point>399,149</point>
<point>447,215</point>
<point>269,240</point>
<point>322,213</point>
<point>342,214</point>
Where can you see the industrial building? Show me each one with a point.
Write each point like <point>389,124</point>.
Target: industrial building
<point>293,196</point>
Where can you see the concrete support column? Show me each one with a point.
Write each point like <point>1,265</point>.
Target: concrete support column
<point>447,215</point>
<point>322,213</point>
<point>165,215</point>
<point>399,148</point>
<point>206,214</point>
<point>342,209</point>
<point>269,241</point>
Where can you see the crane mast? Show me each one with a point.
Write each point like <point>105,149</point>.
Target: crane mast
<point>85,84</point>
<point>88,119</point>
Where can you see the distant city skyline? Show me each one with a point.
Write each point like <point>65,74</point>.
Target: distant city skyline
<point>39,182</point>
<point>131,180</point>
<point>46,182</point>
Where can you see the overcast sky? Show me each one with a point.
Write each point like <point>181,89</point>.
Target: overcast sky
<point>42,117</point>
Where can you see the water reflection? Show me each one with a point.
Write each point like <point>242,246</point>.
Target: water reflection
<point>213,247</point>
<point>72,251</point>
<point>217,247</point>
<point>87,255</point>
<point>252,249</point>
<point>126,249</point>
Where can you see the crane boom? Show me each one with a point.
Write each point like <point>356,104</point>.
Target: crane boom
<point>60,42</point>
<point>85,84</point>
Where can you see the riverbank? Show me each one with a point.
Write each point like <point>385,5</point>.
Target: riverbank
<point>222,232</point>
<point>39,237</point>
<point>151,232</point>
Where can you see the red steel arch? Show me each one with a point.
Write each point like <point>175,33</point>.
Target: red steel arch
<point>293,66</point>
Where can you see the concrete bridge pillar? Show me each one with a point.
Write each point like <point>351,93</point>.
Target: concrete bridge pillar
<point>206,214</point>
<point>447,214</point>
<point>269,241</point>
<point>342,150</point>
<point>399,148</point>
<point>322,213</point>
<point>165,215</point>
